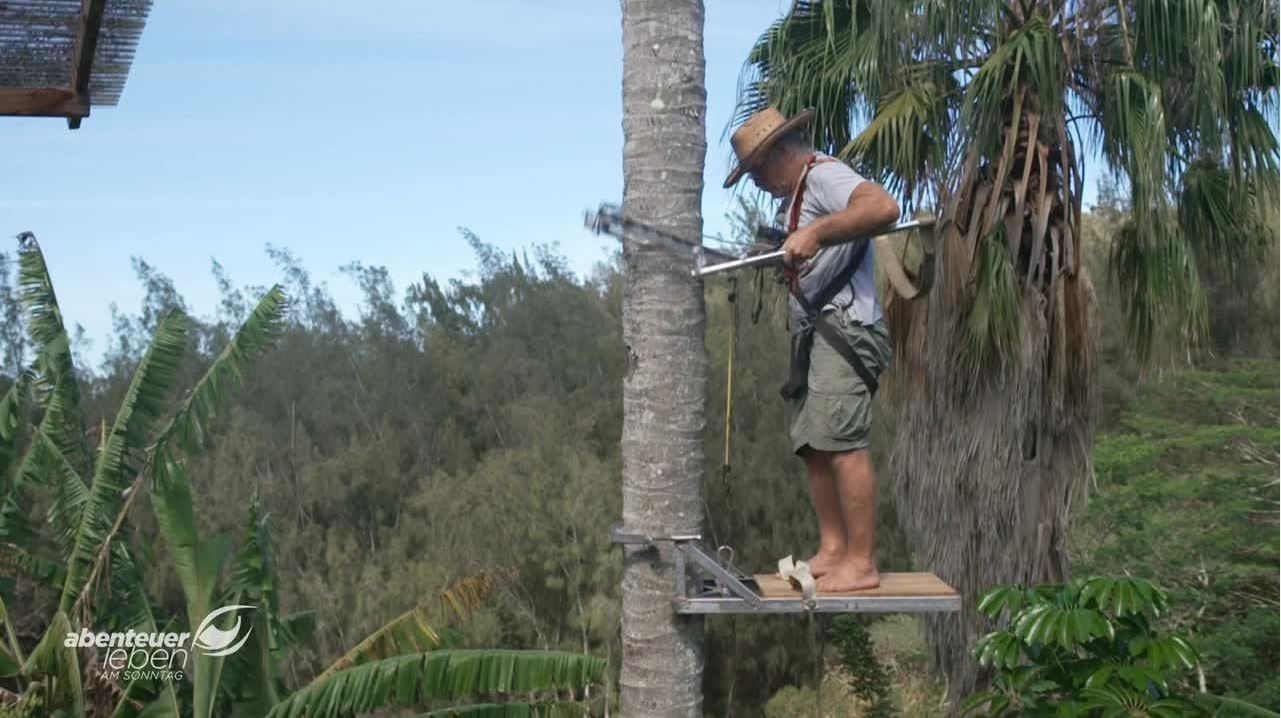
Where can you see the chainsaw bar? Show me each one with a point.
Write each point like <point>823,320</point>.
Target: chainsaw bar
<point>609,219</point>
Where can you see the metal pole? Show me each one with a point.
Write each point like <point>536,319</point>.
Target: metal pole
<point>777,256</point>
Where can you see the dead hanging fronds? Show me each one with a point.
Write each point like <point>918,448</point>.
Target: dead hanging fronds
<point>466,595</point>
<point>414,631</point>
<point>410,632</point>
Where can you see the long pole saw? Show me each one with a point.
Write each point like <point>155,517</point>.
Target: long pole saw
<point>776,256</point>
<point>608,219</point>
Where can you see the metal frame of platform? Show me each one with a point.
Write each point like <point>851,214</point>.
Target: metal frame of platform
<point>708,583</point>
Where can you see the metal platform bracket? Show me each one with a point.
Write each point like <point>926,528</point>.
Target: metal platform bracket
<point>708,582</point>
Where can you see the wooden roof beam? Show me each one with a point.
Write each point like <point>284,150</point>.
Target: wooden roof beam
<point>43,102</point>
<point>82,58</point>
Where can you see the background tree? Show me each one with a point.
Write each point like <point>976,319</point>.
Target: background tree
<point>468,425</point>
<point>665,385</point>
<point>97,578</point>
<point>979,108</point>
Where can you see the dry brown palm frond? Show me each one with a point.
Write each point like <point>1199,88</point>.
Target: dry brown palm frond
<point>467,594</point>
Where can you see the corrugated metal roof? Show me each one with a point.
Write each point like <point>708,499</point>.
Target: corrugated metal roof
<point>38,41</point>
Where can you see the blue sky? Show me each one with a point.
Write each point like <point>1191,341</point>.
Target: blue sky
<point>367,131</point>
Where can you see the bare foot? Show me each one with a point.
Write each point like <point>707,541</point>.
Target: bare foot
<point>823,563</point>
<point>847,576</point>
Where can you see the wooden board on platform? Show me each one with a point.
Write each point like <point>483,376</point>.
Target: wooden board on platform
<point>898,593</point>
<point>904,585</point>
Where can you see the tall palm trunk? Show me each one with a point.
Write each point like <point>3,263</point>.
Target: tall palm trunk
<point>664,144</point>
<point>995,386</point>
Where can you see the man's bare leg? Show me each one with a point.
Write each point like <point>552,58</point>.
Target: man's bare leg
<point>827,506</point>
<point>856,487</point>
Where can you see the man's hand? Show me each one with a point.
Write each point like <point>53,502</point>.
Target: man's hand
<point>800,245</point>
<point>869,209</point>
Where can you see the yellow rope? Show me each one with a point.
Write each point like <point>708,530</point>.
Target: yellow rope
<point>729,370</point>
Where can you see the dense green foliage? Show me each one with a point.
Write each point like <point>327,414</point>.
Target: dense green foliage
<point>1087,648</point>
<point>95,580</point>
<point>1187,497</point>
<point>474,426</point>
<point>868,678</point>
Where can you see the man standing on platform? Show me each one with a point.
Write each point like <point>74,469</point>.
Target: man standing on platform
<point>840,343</point>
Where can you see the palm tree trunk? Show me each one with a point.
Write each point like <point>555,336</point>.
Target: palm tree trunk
<point>664,144</point>
<point>990,457</point>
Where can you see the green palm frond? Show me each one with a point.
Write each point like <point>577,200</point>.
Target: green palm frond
<point>124,449</point>
<point>901,142</point>
<point>553,709</point>
<point>15,559</point>
<point>1181,40</point>
<point>441,675</point>
<point>1219,219</point>
<point>48,466</point>
<point>197,563</point>
<point>9,665</point>
<point>44,317</point>
<point>44,463</point>
<point>49,335</point>
<point>993,323</point>
<point>1031,56</point>
<point>795,68</point>
<point>1252,148</point>
<point>11,649</point>
<point>841,58</point>
<point>13,408</point>
<point>15,517</point>
<point>250,678</point>
<point>51,659</point>
<point>1133,133</point>
<point>1160,287</point>
<point>251,569</point>
<point>189,424</point>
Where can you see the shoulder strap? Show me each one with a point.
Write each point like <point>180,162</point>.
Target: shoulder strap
<point>798,194</point>
<point>793,221</point>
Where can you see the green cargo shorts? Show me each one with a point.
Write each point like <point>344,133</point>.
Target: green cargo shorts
<point>834,413</point>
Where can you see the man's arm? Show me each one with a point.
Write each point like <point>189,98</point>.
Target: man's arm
<point>869,208</point>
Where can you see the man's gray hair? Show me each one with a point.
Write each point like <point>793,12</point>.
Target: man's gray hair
<point>796,141</point>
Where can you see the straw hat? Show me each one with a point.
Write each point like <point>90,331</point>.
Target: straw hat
<point>753,137</point>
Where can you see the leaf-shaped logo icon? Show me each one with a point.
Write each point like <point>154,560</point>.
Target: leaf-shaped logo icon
<point>215,641</point>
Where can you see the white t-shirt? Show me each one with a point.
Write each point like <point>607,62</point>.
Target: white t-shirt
<point>827,189</point>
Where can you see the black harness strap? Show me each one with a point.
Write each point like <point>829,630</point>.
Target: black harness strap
<point>803,340</point>
<point>845,350</point>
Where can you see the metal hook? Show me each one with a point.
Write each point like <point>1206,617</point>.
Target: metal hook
<point>721,554</point>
